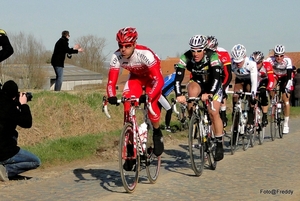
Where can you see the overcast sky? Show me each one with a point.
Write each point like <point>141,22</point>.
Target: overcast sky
<point>163,25</point>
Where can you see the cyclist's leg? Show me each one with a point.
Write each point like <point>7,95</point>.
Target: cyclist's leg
<point>223,109</point>
<point>239,84</point>
<point>217,124</point>
<point>194,90</point>
<point>250,121</point>
<point>163,102</point>
<point>157,134</point>
<point>264,100</point>
<point>286,102</point>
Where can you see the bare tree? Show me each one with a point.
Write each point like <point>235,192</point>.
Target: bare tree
<point>26,62</point>
<point>92,57</point>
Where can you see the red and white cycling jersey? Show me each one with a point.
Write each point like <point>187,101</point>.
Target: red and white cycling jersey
<point>143,63</point>
<point>280,68</point>
<point>266,72</point>
<point>224,56</point>
<point>225,60</point>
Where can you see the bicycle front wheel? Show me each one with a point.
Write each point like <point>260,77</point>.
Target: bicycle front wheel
<point>280,120</point>
<point>261,135</point>
<point>234,139</point>
<point>196,146</point>
<point>128,164</point>
<point>211,151</point>
<point>273,123</point>
<point>153,162</point>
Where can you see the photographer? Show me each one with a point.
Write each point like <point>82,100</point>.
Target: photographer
<point>6,48</point>
<point>14,112</point>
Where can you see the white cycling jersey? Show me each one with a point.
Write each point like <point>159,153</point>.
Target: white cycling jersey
<point>246,72</point>
<point>280,68</point>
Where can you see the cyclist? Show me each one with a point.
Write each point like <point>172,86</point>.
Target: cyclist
<point>282,67</point>
<point>144,67</point>
<point>168,87</point>
<point>265,80</point>
<point>245,71</point>
<point>226,73</point>
<point>205,67</point>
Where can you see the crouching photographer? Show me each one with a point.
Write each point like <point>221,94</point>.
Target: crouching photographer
<point>14,112</point>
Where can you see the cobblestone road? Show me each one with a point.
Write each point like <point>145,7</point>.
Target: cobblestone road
<point>265,172</point>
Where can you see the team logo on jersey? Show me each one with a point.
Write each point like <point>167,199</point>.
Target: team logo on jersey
<point>214,63</point>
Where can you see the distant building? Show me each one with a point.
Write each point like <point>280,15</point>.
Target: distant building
<point>73,76</point>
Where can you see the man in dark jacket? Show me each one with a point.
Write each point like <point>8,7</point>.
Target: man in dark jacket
<point>7,50</point>
<point>14,112</point>
<point>61,48</point>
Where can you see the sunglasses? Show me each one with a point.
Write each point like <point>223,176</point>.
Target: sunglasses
<point>279,55</point>
<point>196,50</point>
<point>259,62</point>
<point>125,45</point>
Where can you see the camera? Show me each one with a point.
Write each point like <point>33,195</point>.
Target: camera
<point>28,96</point>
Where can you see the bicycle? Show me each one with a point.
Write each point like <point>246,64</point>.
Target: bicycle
<point>182,114</point>
<point>136,148</point>
<point>276,113</point>
<point>201,140</point>
<point>239,121</point>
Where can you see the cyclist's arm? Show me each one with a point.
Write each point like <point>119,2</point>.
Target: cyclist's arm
<point>227,75</point>
<point>270,74</point>
<point>113,75</point>
<point>216,71</point>
<point>178,80</point>
<point>253,77</point>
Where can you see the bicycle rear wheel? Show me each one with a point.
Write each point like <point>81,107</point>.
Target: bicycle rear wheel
<point>129,166</point>
<point>152,161</point>
<point>234,132</point>
<point>280,120</point>
<point>273,123</point>
<point>196,146</point>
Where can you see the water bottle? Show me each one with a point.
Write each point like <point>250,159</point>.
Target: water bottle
<point>143,134</point>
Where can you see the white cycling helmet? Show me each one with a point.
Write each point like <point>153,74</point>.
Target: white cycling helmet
<point>198,42</point>
<point>238,53</point>
<point>279,49</point>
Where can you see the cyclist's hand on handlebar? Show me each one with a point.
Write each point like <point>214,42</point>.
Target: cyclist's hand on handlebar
<point>181,99</point>
<point>142,99</point>
<point>205,97</point>
<point>113,100</point>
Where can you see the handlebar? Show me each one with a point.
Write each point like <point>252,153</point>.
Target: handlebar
<point>123,100</point>
<point>210,99</point>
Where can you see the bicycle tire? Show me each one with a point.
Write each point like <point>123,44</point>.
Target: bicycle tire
<point>211,152</point>
<point>246,138</point>
<point>257,126</point>
<point>152,161</point>
<point>196,146</point>
<point>235,124</point>
<point>280,120</point>
<point>261,135</point>
<point>273,123</point>
<point>129,177</point>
